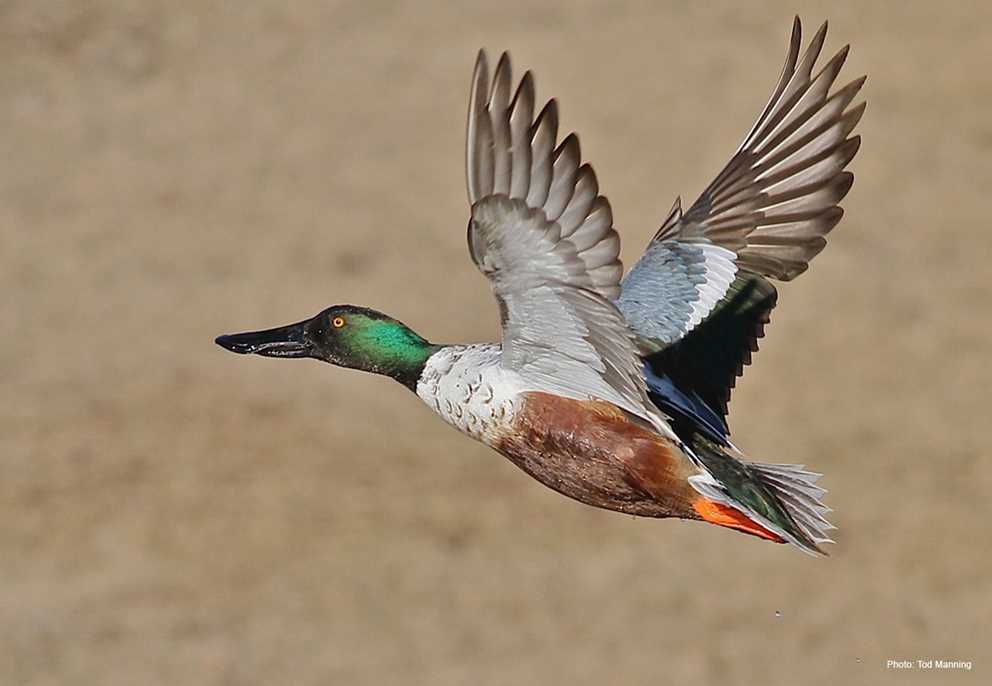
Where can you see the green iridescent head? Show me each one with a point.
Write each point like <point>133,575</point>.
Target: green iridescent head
<point>347,336</point>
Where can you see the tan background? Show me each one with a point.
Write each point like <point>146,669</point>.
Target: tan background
<point>174,514</point>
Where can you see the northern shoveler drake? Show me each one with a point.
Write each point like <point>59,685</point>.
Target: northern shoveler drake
<point>613,391</point>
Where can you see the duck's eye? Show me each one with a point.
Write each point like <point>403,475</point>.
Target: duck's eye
<point>337,322</point>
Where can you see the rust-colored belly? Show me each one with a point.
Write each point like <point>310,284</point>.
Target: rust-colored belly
<point>592,452</point>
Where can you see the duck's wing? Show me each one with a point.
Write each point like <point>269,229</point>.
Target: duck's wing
<point>544,237</point>
<point>766,213</point>
<point>512,154</point>
<point>764,216</point>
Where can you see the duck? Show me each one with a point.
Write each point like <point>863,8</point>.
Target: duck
<point>613,389</point>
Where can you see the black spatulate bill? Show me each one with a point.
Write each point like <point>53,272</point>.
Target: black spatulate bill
<point>283,341</point>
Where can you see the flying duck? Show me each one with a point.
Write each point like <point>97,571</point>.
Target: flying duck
<point>613,389</point>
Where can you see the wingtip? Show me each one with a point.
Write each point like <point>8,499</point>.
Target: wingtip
<point>858,111</point>
<point>854,144</point>
<point>550,113</point>
<point>843,52</point>
<point>481,61</point>
<point>844,183</point>
<point>504,62</point>
<point>480,79</point>
<point>795,44</point>
<point>525,89</point>
<point>570,141</point>
<point>816,45</point>
<point>501,86</point>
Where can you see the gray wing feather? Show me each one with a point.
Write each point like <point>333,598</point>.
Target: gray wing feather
<point>768,210</point>
<point>676,288</point>
<point>511,154</point>
<point>543,136</point>
<point>521,118</point>
<point>479,156</point>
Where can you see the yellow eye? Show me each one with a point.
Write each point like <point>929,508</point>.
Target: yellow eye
<point>337,322</point>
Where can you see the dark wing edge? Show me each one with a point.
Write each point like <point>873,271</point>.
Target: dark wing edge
<point>708,360</point>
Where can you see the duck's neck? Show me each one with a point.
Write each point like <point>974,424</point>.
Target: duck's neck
<point>409,366</point>
<point>392,350</point>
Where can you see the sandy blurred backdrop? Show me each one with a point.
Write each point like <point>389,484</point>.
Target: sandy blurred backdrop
<point>174,514</point>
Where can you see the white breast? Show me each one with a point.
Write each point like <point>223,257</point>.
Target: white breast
<point>466,385</point>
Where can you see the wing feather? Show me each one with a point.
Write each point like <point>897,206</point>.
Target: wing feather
<point>521,118</point>
<point>544,237</point>
<point>479,156</point>
<point>523,158</point>
<point>769,209</point>
<point>583,196</point>
<point>543,136</point>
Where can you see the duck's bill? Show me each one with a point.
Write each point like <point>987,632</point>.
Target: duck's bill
<point>284,341</point>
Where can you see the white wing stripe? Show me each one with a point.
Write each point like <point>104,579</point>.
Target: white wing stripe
<point>719,269</point>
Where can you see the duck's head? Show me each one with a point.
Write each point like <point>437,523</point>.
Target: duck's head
<point>346,336</point>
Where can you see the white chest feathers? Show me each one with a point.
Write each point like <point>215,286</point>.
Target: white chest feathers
<point>466,385</point>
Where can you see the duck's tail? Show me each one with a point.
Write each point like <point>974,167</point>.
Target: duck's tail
<point>778,502</point>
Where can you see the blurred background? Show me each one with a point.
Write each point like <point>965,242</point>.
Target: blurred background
<point>174,514</point>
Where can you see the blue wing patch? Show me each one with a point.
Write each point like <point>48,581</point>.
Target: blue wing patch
<point>667,396</point>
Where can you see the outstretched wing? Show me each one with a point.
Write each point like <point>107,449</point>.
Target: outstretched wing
<point>510,153</point>
<point>544,237</point>
<point>766,213</point>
